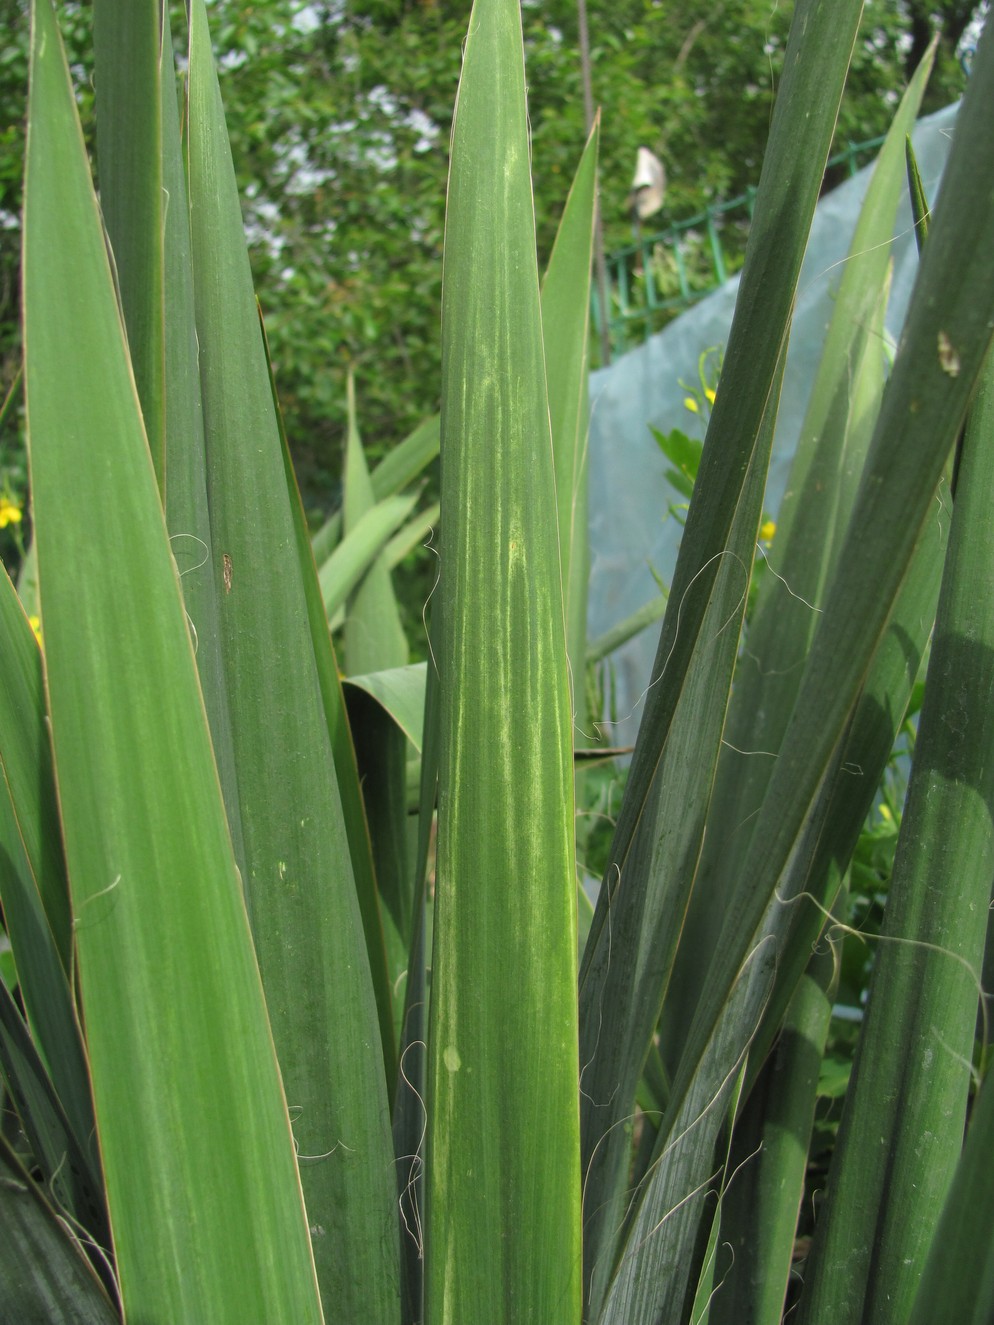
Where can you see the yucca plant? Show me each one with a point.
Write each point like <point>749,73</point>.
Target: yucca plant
<point>260,1069</point>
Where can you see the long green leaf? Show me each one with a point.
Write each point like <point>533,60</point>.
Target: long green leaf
<point>33,884</point>
<point>815,510</point>
<point>924,401</point>
<point>45,1277</point>
<point>769,1160</point>
<point>923,406</point>
<point>34,891</point>
<point>503,1163</point>
<point>299,882</point>
<point>381,752</point>
<point>64,1156</point>
<point>353,556</point>
<point>187,513</point>
<point>126,46</point>
<point>204,1201</point>
<point>628,960</point>
<point>396,470</point>
<point>901,1131</point>
<point>343,750</point>
<point>566,319</point>
<point>662,1251</point>
<point>26,755</point>
<point>646,915</point>
<point>409,1119</point>
<point>374,637</point>
<point>374,640</point>
<point>958,1281</point>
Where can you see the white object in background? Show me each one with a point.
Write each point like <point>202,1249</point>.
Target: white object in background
<point>648,186</point>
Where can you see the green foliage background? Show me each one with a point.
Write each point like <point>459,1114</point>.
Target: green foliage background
<point>338,109</point>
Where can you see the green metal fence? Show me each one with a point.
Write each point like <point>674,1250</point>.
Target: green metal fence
<point>659,275</point>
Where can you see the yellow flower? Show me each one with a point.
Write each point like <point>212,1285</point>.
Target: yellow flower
<point>35,623</point>
<point>10,512</point>
<point>690,403</point>
<point>710,395</point>
<point>766,531</point>
<point>885,813</point>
